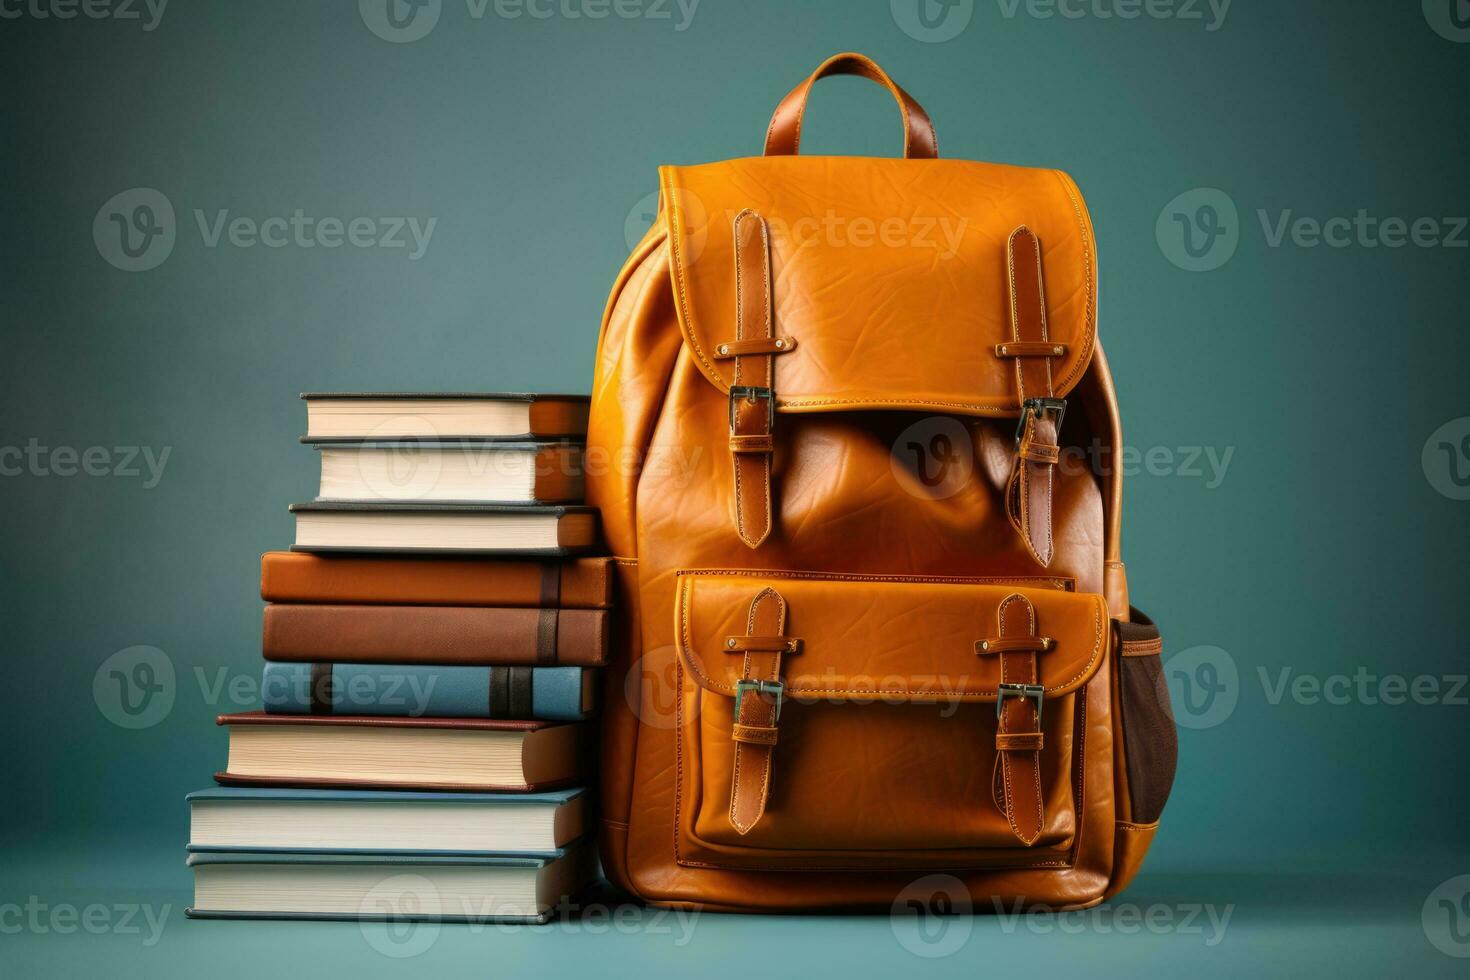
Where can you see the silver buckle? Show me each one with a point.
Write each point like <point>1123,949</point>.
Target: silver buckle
<point>1039,407</point>
<point>1035,692</point>
<point>754,394</point>
<point>760,687</point>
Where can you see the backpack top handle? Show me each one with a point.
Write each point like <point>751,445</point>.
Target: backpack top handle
<point>783,136</point>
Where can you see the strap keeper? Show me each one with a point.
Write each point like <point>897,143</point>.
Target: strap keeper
<point>1027,348</point>
<point>1019,741</point>
<point>763,443</point>
<point>1015,644</point>
<point>754,734</point>
<point>754,345</point>
<point>762,644</point>
<point>1038,452</point>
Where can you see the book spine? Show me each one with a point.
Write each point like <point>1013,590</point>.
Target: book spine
<point>450,635</point>
<point>393,690</point>
<point>297,577</point>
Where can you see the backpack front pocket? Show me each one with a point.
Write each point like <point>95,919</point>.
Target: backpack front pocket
<point>832,721</point>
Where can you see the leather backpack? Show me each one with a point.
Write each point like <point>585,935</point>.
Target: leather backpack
<point>851,439</point>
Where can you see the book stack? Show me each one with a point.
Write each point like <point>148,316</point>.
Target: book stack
<point>431,646</point>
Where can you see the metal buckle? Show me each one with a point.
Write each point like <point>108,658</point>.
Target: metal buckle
<point>1039,407</point>
<point>1035,692</point>
<point>760,687</point>
<point>752,394</point>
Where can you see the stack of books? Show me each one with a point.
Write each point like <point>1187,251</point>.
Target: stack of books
<point>431,648</point>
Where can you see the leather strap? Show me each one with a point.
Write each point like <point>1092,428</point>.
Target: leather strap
<point>1029,489</point>
<point>756,713</point>
<point>752,414</point>
<point>1018,737</point>
<point>783,136</point>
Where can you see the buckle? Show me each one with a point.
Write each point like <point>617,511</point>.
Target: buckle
<point>1037,406</point>
<point>753,394</point>
<point>760,687</point>
<point>1035,692</point>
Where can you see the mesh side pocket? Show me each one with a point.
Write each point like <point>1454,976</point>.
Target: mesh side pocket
<point>1150,740</point>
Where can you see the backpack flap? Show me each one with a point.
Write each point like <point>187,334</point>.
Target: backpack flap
<point>817,284</point>
<point>890,276</point>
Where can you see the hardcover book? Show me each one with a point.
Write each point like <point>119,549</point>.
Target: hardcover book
<point>300,577</point>
<point>466,415</point>
<point>386,885</point>
<point>416,691</point>
<point>452,472</point>
<point>354,820</point>
<point>328,526</point>
<point>453,754</point>
<point>458,635</point>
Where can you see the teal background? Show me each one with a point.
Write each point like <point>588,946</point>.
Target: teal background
<point>1324,548</point>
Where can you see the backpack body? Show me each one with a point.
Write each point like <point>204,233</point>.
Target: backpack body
<point>852,438</point>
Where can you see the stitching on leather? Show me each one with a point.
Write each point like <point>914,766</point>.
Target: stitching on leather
<point>1063,583</point>
<point>1005,757</point>
<point>1089,319</point>
<point>686,645</point>
<point>745,672</point>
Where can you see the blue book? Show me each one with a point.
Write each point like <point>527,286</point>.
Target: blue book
<point>386,885</point>
<point>418,691</point>
<point>433,824</point>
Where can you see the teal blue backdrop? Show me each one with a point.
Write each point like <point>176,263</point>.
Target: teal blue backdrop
<point>316,196</point>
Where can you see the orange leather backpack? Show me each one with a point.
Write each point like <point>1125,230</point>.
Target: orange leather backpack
<point>851,434</point>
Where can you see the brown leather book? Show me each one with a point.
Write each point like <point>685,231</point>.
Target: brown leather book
<point>453,754</point>
<point>456,635</point>
<point>295,576</point>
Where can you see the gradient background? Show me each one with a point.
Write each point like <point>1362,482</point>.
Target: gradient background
<point>1325,549</point>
